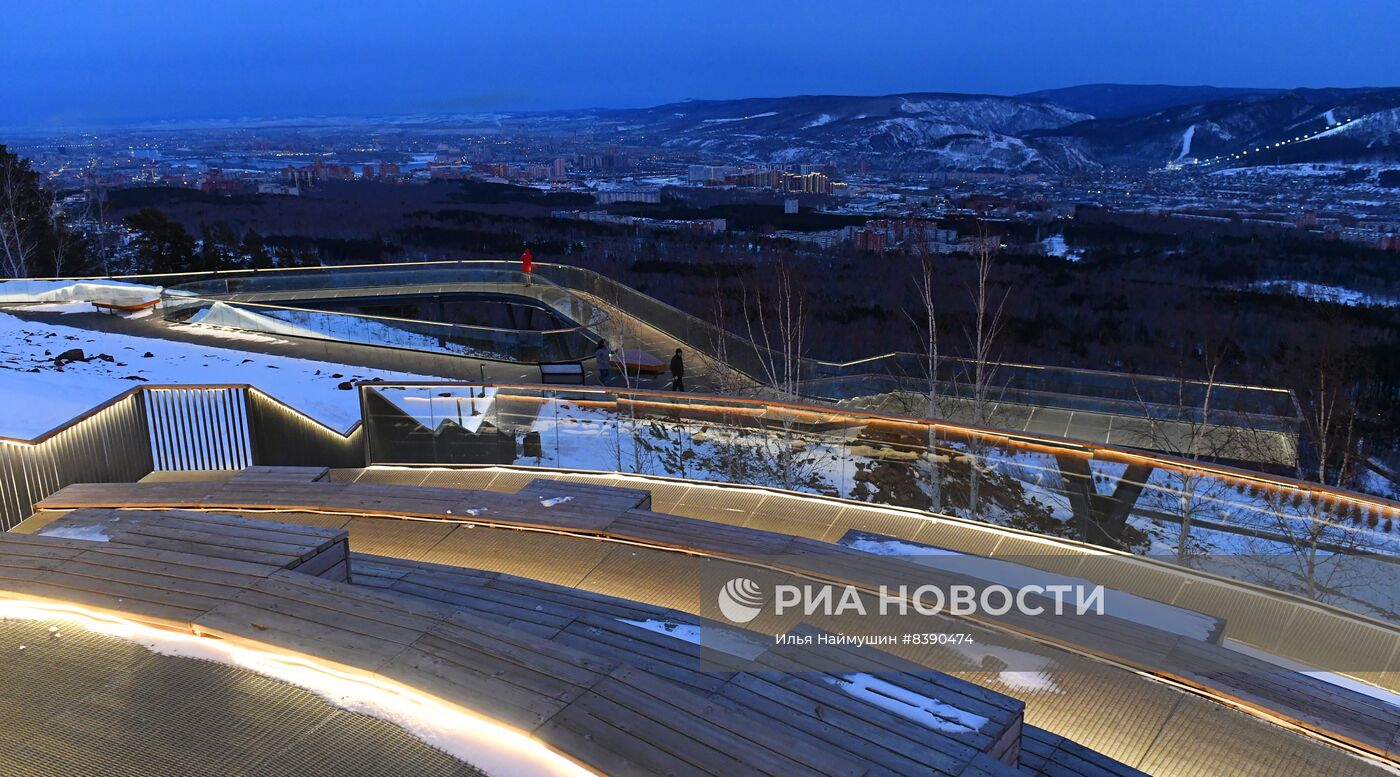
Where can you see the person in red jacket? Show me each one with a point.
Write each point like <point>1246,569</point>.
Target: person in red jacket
<point>527,266</point>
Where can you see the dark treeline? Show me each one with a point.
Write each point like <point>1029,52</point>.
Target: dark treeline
<point>1172,305</point>
<point>35,238</point>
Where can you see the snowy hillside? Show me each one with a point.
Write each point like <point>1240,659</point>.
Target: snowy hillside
<point>914,131</point>
<point>41,394</point>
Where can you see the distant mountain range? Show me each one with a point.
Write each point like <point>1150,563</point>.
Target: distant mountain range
<point>1069,130</point>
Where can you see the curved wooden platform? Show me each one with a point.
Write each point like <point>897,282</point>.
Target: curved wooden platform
<point>606,693</point>
<point>617,516</point>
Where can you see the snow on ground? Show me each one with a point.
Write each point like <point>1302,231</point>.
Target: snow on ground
<point>115,292</point>
<point>89,533</point>
<point>576,437</point>
<point>905,703</point>
<point>1322,292</point>
<point>320,325</point>
<point>57,307</point>
<point>1055,245</point>
<point>1186,142</point>
<point>49,395</point>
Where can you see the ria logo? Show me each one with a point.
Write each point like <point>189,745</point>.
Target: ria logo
<point>740,600</point>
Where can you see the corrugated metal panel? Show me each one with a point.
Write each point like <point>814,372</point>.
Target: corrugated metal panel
<point>800,517</point>
<point>199,428</point>
<point>1201,736</point>
<point>875,521</point>
<point>959,537</point>
<point>109,445</point>
<point>731,506</point>
<point>394,477</point>
<point>90,704</point>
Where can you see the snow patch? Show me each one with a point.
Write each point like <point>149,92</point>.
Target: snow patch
<point>1055,245</point>
<point>109,292</point>
<point>730,641</point>
<point>433,411</point>
<point>321,325</point>
<point>741,118</point>
<point>89,533</point>
<point>907,704</point>
<point>51,395</point>
<point>1186,138</point>
<point>1322,292</point>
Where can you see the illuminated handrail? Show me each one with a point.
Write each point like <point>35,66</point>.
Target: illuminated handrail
<point>1113,496</point>
<point>702,335</point>
<point>284,304</point>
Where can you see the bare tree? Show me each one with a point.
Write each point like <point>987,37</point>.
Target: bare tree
<point>65,239</point>
<point>1320,544</point>
<point>18,238</point>
<point>776,325</point>
<point>924,285</point>
<point>987,321</point>
<point>775,320</point>
<point>1179,418</point>
<point>97,209</point>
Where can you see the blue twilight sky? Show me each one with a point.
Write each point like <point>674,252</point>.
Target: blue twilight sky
<point>75,62</point>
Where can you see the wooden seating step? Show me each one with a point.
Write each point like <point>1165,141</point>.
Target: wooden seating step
<point>604,627</point>
<point>999,736</point>
<point>255,475</point>
<point>571,695</point>
<point>309,549</point>
<point>606,497</point>
<point>1044,754</point>
<point>1349,717</point>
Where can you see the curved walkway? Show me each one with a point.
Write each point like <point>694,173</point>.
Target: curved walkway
<point>1136,715</point>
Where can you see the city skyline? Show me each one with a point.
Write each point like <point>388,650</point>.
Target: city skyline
<point>149,61</point>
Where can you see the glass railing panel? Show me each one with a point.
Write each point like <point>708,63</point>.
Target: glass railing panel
<point>1267,531</point>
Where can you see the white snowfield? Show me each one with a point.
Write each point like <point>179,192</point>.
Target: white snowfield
<point>107,292</point>
<point>319,325</point>
<point>38,395</point>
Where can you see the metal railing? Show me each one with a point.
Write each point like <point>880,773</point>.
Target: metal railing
<point>283,304</point>
<point>166,428</point>
<point>111,443</point>
<point>1203,515</point>
<point>262,300</point>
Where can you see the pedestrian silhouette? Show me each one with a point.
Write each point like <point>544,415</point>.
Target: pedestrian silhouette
<point>677,372</point>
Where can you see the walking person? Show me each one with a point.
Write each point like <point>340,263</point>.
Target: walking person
<point>527,266</point>
<point>677,372</point>
<point>603,356</point>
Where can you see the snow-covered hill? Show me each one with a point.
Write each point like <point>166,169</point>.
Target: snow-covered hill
<point>908,131</point>
<point>1142,126</point>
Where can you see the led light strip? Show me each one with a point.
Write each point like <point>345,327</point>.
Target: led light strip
<point>498,749</point>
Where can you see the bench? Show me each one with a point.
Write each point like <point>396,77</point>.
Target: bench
<point>114,308</point>
<point>567,373</point>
